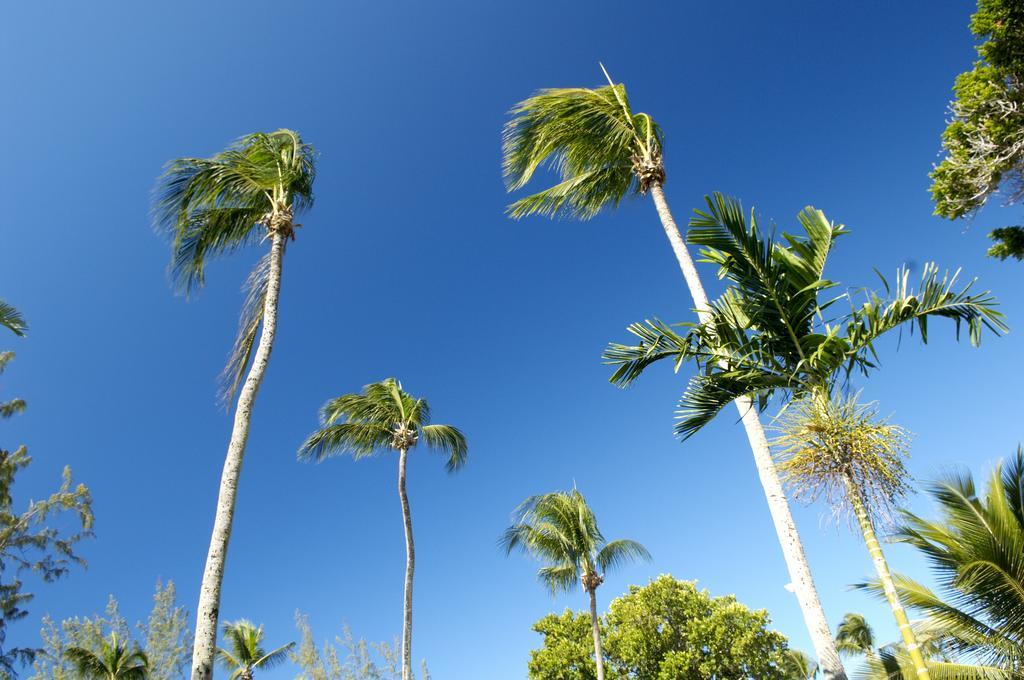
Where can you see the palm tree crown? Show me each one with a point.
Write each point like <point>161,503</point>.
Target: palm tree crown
<point>591,138</point>
<point>238,197</point>
<point>854,635</point>
<point>381,417</point>
<point>245,653</point>
<point>115,660</point>
<point>561,530</point>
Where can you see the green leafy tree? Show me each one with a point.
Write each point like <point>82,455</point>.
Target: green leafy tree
<point>247,194</point>
<point>984,141</point>
<point>770,334</point>
<point>166,636</point>
<point>560,530</point>
<point>383,417</point>
<point>665,630</point>
<point>37,540</point>
<point>347,658</point>
<point>603,152</point>
<point>244,653</point>
<point>116,659</point>
<point>974,548</point>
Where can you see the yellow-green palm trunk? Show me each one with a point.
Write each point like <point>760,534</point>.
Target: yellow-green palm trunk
<point>885,576</point>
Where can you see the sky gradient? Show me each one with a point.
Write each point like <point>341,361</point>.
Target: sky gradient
<point>407,267</point>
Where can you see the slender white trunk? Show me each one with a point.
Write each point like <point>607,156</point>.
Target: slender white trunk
<point>410,565</point>
<point>867,527</point>
<point>213,575</point>
<point>596,627</point>
<point>778,506</point>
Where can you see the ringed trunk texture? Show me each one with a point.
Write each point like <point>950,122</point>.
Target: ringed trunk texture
<point>213,575</point>
<point>410,565</point>
<point>792,548</point>
<point>596,627</point>
<point>885,576</point>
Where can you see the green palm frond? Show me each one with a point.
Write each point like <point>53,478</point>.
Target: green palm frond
<point>248,326</point>
<point>706,396</point>
<point>854,635</point>
<point>115,659</point>
<point>12,319</point>
<point>588,137</point>
<point>560,530</point>
<point>244,650</point>
<point>656,342</point>
<point>363,423</point>
<point>799,666</point>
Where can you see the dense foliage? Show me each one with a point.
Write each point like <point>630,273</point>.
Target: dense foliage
<point>665,630</point>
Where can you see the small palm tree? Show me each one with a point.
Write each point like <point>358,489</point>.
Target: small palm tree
<point>855,636</point>
<point>799,666</point>
<point>115,660</point>
<point>245,654</point>
<point>561,530</point>
<point>603,152</point>
<point>245,195</point>
<point>11,319</point>
<point>383,417</point>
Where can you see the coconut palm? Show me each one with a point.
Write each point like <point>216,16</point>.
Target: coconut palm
<point>383,417</point>
<point>245,195</point>
<point>115,660</point>
<point>603,151</point>
<point>799,666</point>
<point>855,636</point>
<point>974,549</point>
<point>11,319</point>
<point>561,530</point>
<point>771,334</point>
<point>244,653</point>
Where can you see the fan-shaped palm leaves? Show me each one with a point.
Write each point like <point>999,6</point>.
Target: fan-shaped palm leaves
<point>115,660</point>
<point>603,151</point>
<point>242,196</point>
<point>244,653</point>
<point>383,417</point>
<point>561,530</point>
<point>975,549</point>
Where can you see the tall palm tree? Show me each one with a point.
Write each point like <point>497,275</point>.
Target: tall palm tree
<point>771,334</point>
<point>245,195</point>
<point>603,152</point>
<point>974,549</point>
<point>115,660</point>
<point>11,319</point>
<point>383,417</point>
<point>245,653</point>
<point>855,636</point>
<point>561,530</point>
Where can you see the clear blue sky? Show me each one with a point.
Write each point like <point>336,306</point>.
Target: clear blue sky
<point>407,267</point>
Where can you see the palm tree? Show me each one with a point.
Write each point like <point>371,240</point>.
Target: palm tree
<point>116,660</point>
<point>561,530</point>
<point>771,334</point>
<point>604,152</point>
<point>11,319</point>
<point>244,654</point>
<point>383,417</point>
<point>855,636</point>
<point>244,195</point>
<point>799,666</point>
<point>974,549</point>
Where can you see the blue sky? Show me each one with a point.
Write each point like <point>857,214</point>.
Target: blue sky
<point>406,266</point>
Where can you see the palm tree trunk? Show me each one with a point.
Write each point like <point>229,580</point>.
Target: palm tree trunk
<point>213,575</point>
<point>410,565</point>
<point>596,627</point>
<point>792,548</point>
<point>885,576</point>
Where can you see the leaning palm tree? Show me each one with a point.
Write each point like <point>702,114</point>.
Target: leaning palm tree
<point>771,334</point>
<point>975,549</point>
<point>115,660</point>
<point>603,151</point>
<point>561,530</point>
<point>837,449</point>
<point>11,319</point>
<point>245,195</point>
<point>855,636</point>
<point>383,417</point>
<point>244,653</point>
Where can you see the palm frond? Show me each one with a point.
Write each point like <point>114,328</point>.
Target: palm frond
<point>616,553</point>
<point>248,326</point>
<point>656,342</point>
<point>447,439</point>
<point>356,438</point>
<point>12,319</point>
